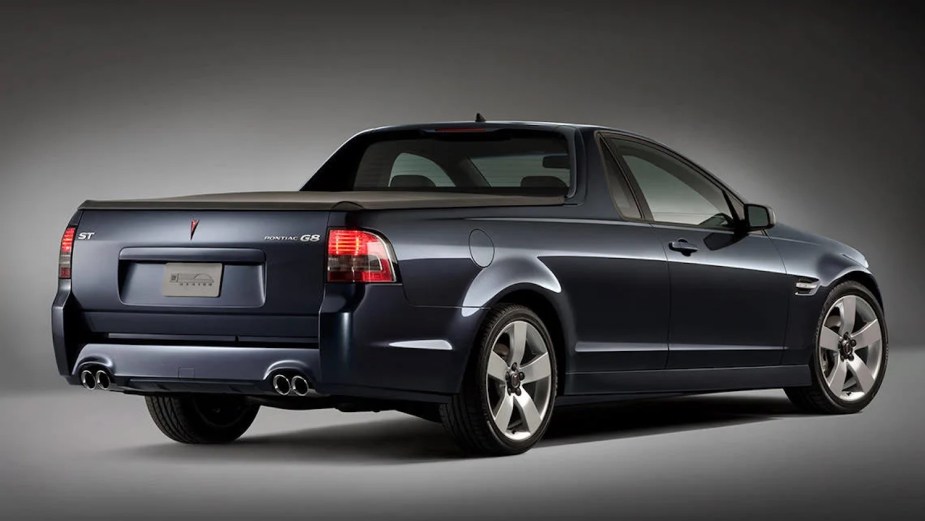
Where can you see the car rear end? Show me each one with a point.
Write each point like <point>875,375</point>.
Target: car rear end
<point>290,294</point>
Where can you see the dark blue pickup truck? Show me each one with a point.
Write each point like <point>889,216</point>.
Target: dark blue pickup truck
<point>477,274</point>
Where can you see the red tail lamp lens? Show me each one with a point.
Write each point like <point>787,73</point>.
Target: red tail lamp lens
<point>64,255</point>
<point>359,256</point>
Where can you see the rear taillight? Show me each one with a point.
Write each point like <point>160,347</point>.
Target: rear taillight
<point>64,255</point>
<point>359,256</point>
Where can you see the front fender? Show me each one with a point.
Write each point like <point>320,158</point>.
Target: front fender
<point>826,265</point>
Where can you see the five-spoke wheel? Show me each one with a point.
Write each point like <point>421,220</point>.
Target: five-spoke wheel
<point>851,353</point>
<point>508,393</point>
<point>851,348</point>
<point>518,380</point>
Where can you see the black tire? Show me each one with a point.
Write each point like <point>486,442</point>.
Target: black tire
<point>203,419</point>
<point>817,398</point>
<point>467,416</point>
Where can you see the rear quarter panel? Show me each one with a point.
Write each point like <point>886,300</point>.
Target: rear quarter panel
<point>601,276</point>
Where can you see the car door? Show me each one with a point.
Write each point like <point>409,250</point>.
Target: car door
<point>618,286</point>
<point>612,276</point>
<point>729,290</point>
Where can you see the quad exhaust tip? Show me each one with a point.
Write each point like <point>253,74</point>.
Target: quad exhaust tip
<point>88,379</point>
<point>282,385</point>
<point>95,380</point>
<point>102,380</point>
<point>297,385</point>
<point>300,386</point>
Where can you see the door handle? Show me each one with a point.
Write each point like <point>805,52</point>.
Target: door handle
<point>682,246</point>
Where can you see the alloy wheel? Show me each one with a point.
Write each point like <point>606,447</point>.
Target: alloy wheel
<point>851,348</point>
<point>518,380</point>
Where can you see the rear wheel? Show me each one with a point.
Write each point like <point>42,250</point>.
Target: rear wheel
<point>205,419</point>
<point>509,388</point>
<point>850,356</point>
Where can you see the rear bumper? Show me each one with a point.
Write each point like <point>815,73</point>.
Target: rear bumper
<point>371,343</point>
<point>172,368</point>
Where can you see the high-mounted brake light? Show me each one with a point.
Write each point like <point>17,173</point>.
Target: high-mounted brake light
<point>64,255</point>
<point>461,129</point>
<point>359,256</point>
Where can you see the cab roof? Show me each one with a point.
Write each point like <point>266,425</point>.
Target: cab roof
<point>535,125</point>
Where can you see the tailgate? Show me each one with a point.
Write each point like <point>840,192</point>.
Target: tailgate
<point>223,276</point>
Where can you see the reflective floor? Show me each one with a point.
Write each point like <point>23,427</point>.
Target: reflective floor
<point>727,456</point>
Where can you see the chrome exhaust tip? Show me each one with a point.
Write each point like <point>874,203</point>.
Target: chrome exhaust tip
<point>87,379</point>
<point>300,386</point>
<point>102,380</point>
<point>281,384</point>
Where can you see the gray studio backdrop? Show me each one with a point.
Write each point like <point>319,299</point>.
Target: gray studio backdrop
<point>815,109</point>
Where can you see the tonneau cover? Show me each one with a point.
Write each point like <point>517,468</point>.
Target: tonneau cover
<point>354,200</point>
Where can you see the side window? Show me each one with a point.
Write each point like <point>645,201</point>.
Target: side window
<point>619,189</point>
<point>674,192</point>
<point>414,171</point>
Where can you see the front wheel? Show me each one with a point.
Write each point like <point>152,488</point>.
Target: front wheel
<point>202,419</point>
<point>509,388</point>
<point>850,355</point>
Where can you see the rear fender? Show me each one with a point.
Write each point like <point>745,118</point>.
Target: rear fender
<point>507,275</point>
<point>529,282</point>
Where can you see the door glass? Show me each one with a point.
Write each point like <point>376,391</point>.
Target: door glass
<point>675,192</point>
<point>619,190</point>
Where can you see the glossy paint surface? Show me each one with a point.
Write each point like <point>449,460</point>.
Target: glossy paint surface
<point>628,313</point>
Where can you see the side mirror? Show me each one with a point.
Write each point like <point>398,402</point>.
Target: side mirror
<point>758,217</point>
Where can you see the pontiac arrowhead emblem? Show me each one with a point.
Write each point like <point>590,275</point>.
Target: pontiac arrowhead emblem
<point>192,228</point>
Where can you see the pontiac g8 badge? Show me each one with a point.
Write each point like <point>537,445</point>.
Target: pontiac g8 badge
<point>309,237</point>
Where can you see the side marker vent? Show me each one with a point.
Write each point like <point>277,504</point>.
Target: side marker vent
<point>806,286</point>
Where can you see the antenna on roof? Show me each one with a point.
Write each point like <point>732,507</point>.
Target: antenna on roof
<point>479,118</point>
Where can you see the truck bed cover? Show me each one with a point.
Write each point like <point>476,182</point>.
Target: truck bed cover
<point>354,200</point>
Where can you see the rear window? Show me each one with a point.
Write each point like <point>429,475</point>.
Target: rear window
<point>496,161</point>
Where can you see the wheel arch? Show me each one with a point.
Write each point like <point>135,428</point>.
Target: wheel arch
<point>805,312</point>
<point>863,278</point>
<point>556,320</point>
<point>867,280</point>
